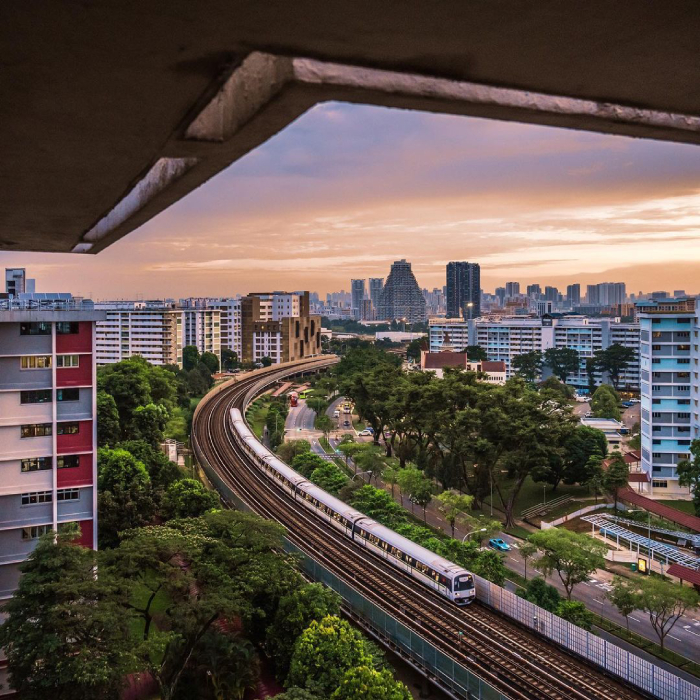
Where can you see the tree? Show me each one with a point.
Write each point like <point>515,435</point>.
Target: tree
<point>583,443</point>
<point>664,602</point>
<point>306,462</point>
<point>324,424</point>
<point>622,596</point>
<point>324,652</point>
<point>476,353</point>
<point>161,470</point>
<point>108,431</point>
<point>317,404</point>
<point>539,592</point>
<point>528,365</point>
<point>190,357</point>
<point>119,468</point>
<point>189,498</point>
<point>689,474</point>
<point>616,476</point>
<point>289,449</point>
<point>229,359</point>
<point>297,694</point>
<point>369,460</point>
<point>554,387</point>
<point>266,361</point>
<point>452,505</point>
<point>149,423</point>
<point>369,684</point>
<point>350,449</point>
<point>595,475</point>
<point>65,637</point>
<point>417,486</point>
<point>527,550</point>
<point>489,565</point>
<point>296,611</point>
<point>210,361</point>
<point>572,555</point>
<point>591,369</point>
<point>414,349</point>
<point>576,612</point>
<point>606,403</point>
<point>562,362</point>
<point>329,478</point>
<point>391,476</point>
<point>614,360</point>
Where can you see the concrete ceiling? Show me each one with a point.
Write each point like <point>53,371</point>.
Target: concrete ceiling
<point>112,111</point>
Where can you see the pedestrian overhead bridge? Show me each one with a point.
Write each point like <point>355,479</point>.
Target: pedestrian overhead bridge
<point>112,112</point>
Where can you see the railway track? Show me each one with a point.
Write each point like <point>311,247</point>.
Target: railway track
<point>519,664</point>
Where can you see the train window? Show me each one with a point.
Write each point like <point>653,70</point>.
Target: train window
<point>464,583</point>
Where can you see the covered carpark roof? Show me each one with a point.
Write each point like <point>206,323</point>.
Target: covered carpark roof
<point>111,111</point>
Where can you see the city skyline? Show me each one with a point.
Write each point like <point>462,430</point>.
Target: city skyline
<point>346,190</point>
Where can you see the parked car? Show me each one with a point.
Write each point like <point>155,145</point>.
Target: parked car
<point>589,414</point>
<point>365,432</point>
<point>626,404</point>
<point>499,544</point>
<point>347,424</point>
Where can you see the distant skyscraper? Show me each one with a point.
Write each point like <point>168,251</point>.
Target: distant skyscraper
<point>501,295</point>
<point>573,294</point>
<point>401,296</point>
<point>551,294</point>
<point>463,288</point>
<point>357,288</point>
<point>534,291</point>
<point>512,289</point>
<point>376,284</point>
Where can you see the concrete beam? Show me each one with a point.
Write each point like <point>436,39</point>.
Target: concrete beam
<point>264,93</point>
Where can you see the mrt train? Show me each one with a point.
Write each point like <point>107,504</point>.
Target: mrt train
<point>448,579</point>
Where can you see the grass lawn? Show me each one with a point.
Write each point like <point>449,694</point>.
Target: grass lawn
<point>359,425</point>
<point>326,445</point>
<point>685,506</point>
<point>257,413</point>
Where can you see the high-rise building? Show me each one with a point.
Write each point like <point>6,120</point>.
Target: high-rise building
<point>512,289</point>
<point>230,317</point>
<point>573,294</point>
<point>606,294</point>
<point>357,289</point>
<point>551,294</point>
<point>670,389</point>
<point>401,297</point>
<point>16,281</point>
<point>534,291</point>
<point>463,295</point>
<point>48,444</point>
<point>367,310</point>
<point>376,284</point>
<point>500,294</point>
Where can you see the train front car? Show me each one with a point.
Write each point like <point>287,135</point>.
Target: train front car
<point>463,588</point>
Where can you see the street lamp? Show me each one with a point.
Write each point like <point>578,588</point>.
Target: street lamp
<point>471,532</point>
<point>470,306</point>
<point>360,474</point>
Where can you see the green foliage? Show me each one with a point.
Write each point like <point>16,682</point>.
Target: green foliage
<point>324,652</point>
<point>266,361</point>
<point>476,353</point>
<point>605,403</point>
<point>189,498</point>
<point>453,505</point>
<point>190,357</point>
<point>414,348</point>
<point>108,431</point>
<point>65,635</point>
<point>689,474</point>
<point>295,612</point>
<point>369,684</point>
<point>623,597</point>
<point>616,475</point>
<point>149,423</point>
<point>577,613</point>
<point>289,449</point>
<point>297,694</point>
<point>119,468</point>
<point>324,424</point>
<point>161,470</point>
<point>539,592</point>
<point>329,478</point>
<point>413,482</point>
<point>210,361</point>
<point>556,388</point>
<point>229,359</point>
<point>317,404</point>
<point>528,365</point>
<point>306,462</point>
<point>613,361</point>
<point>562,362</point>
<point>595,475</point>
<point>572,555</point>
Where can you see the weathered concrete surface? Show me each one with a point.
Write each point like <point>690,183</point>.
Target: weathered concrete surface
<point>95,95</point>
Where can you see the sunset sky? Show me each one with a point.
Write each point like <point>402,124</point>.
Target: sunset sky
<point>347,189</point>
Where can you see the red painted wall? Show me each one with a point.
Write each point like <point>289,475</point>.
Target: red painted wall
<point>85,538</point>
<point>80,442</point>
<point>76,476</point>
<point>76,342</point>
<point>75,376</point>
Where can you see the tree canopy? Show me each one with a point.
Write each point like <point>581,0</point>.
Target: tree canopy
<point>605,403</point>
<point>562,362</point>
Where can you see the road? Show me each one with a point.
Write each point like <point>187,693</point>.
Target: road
<point>300,417</point>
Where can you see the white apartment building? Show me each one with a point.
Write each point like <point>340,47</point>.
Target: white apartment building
<point>670,388</point>
<point>230,318</point>
<point>506,337</point>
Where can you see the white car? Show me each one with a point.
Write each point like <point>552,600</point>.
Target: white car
<point>365,432</point>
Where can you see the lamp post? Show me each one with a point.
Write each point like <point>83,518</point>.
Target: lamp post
<point>471,532</point>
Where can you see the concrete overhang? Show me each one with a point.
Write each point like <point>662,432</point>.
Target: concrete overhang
<point>111,112</point>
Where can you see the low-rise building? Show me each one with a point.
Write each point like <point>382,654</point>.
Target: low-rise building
<point>437,362</point>
<point>612,429</point>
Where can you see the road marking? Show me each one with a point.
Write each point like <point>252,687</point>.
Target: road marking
<point>676,638</point>
<point>586,584</point>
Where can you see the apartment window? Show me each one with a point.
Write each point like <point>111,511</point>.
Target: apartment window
<point>683,360</point>
<point>30,499</point>
<point>35,464</point>
<point>35,362</point>
<point>660,484</point>
<point>656,414</point>
<point>68,495</point>
<point>683,334</point>
<point>35,328</point>
<point>684,442</point>
<point>656,347</point>
<point>68,428</point>
<point>683,347</point>
<point>683,415</point>
<point>68,461</point>
<point>35,532</point>
<point>656,400</point>
<point>657,455</point>
<point>67,394</point>
<point>67,327</point>
<point>684,402</point>
<point>682,320</point>
<point>35,430</point>
<point>656,442</point>
<point>656,428</point>
<point>35,396</point>
<point>68,361</point>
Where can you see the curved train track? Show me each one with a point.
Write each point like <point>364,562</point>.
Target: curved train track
<point>516,662</point>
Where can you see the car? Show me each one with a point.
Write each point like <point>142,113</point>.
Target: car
<point>336,414</point>
<point>347,424</point>
<point>582,399</point>
<point>499,544</point>
<point>589,414</point>
<point>626,404</point>
<point>365,432</point>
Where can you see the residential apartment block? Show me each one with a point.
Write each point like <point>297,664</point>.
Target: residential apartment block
<point>670,387</point>
<point>506,337</point>
<point>48,444</point>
